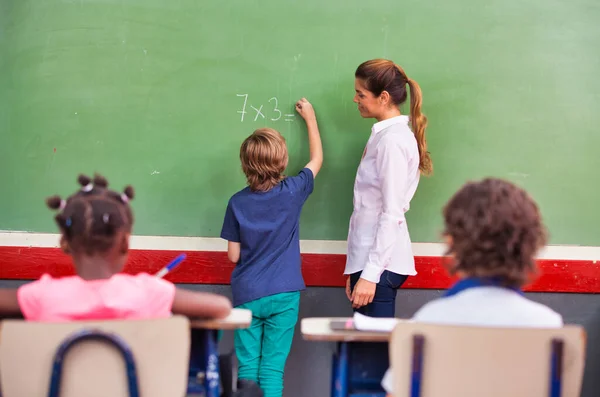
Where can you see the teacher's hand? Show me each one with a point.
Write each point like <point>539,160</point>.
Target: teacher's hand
<point>348,289</point>
<point>363,293</point>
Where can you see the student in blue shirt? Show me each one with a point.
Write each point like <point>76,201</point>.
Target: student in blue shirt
<point>262,229</point>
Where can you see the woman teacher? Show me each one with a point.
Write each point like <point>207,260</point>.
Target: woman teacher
<point>380,257</point>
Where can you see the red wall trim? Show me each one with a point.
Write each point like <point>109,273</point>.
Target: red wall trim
<point>322,270</point>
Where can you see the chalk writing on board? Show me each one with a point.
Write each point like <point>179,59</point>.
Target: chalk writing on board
<point>243,111</point>
<point>275,108</point>
<point>269,110</point>
<point>258,112</point>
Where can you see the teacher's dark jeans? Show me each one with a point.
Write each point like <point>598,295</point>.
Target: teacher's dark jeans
<point>384,301</point>
<point>371,360</point>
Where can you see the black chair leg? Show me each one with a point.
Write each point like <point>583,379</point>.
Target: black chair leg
<point>228,371</point>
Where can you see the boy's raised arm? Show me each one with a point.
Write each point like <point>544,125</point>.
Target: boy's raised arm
<point>305,109</point>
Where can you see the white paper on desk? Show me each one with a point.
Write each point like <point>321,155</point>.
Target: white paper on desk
<point>366,323</point>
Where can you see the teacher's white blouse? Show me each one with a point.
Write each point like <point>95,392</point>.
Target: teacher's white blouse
<point>386,181</point>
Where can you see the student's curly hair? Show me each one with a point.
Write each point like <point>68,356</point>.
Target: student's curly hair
<point>90,220</point>
<point>496,230</point>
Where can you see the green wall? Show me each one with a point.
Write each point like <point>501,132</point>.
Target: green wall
<point>148,92</point>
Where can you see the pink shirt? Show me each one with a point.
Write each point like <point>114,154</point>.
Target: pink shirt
<point>121,297</point>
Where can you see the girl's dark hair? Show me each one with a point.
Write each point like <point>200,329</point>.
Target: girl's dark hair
<point>90,220</point>
<point>381,75</point>
<point>496,230</point>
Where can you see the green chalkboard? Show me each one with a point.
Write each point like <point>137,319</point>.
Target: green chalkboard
<point>151,92</point>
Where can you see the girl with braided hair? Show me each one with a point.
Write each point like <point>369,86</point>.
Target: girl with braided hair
<point>95,225</point>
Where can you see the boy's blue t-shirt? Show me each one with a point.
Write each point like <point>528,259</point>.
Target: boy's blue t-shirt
<point>266,224</point>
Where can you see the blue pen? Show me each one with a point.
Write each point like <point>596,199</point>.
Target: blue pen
<point>162,272</point>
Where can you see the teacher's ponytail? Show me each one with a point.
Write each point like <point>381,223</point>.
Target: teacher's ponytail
<point>418,123</point>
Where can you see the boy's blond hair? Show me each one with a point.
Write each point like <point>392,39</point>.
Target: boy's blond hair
<point>264,157</point>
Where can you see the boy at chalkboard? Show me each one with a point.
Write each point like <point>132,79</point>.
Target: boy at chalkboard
<point>262,229</point>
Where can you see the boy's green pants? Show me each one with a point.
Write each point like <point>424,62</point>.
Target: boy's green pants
<point>263,348</point>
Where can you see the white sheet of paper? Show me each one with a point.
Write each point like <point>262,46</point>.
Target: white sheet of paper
<point>366,323</point>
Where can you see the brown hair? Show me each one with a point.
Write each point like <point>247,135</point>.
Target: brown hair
<point>264,157</point>
<point>91,219</point>
<point>495,230</point>
<point>383,75</point>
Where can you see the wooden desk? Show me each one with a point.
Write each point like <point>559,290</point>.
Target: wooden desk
<point>237,319</point>
<point>318,329</point>
<point>361,359</point>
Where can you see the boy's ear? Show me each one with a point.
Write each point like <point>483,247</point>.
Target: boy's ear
<point>125,243</point>
<point>449,262</point>
<point>448,240</point>
<point>64,245</point>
